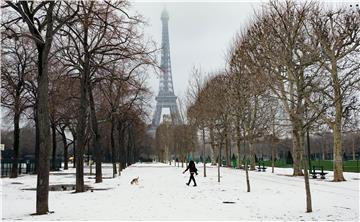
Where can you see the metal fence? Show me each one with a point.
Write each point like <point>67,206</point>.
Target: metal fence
<point>24,166</point>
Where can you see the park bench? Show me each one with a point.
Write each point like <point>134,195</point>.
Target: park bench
<point>261,167</point>
<point>243,166</point>
<point>318,170</point>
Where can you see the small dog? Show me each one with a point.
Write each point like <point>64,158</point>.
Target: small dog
<point>135,181</point>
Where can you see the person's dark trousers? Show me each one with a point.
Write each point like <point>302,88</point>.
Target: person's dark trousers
<point>192,178</point>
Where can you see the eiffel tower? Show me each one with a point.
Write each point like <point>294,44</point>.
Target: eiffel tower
<point>166,97</point>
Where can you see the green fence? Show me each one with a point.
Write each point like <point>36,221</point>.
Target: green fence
<point>24,166</point>
<point>348,166</point>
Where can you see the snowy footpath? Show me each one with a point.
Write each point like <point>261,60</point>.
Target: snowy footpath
<point>162,195</point>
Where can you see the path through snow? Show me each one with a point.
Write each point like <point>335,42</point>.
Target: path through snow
<point>163,195</point>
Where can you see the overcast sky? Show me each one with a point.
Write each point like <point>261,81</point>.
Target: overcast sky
<point>200,34</point>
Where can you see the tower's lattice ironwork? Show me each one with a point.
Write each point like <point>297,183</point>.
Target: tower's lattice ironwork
<point>166,97</point>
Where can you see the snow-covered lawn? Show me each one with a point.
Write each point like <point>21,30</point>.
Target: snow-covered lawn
<point>162,195</point>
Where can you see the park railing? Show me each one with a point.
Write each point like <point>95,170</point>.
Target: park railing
<point>24,166</point>
<point>348,165</point>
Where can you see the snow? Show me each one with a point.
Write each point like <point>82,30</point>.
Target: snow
<point>162,195</point>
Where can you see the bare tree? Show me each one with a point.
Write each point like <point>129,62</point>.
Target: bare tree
<point>282,24</point>
<point>336,34</point>
<point>43,20</point>
<point>18,63</point>
<point>195,110</point>
<point>108,37</point>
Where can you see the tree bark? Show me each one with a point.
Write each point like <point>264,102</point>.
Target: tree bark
<point>272,156</point>
<point>122,153</point>
<point>74,152</point>
<point>63,136</point>
<point>37,134</point>
<point>42,190</point>
<point>219,162</point>
<point>129,150</point>
<point>204,159</point>
<point>252,156</point>
<point>53,134</point>
<point>297,149</point>
<point>96,136</point>
<point>323,145</point>
<point>212,156</point>
<point>15,160</point>
<point>80,133</point>
<point>113,152</point>
<point>338,170</point>
<point>353,147</point>
<point>307,188</point>
<point>238,143</point>
<point>247,176</point>
<point>227,146</point>
<point>305,163</point>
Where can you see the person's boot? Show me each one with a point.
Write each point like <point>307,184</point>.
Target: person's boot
<point>195,185</point>
<point>187,184</point>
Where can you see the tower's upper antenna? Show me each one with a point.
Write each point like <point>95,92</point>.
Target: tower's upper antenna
<point>164,14</point>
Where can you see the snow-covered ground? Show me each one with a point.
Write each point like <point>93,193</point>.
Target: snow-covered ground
<point>162,195</point>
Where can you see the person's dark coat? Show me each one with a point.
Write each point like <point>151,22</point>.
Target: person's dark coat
<point>191,167</point>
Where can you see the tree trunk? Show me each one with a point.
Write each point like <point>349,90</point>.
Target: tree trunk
<point>252,156</point>
<point>88,153</point>
<point>15,160</point>
<point>37,134</point>
<point>96,136</point>
<point>227,147</point>
<point>204,155</point>
<point>74,152</point>
<point>307,188</point>
<point>238,143</point>
<point>338,170</point>
<point>297,149</point>
<point>272,156</point>
<point>63,136</point>
<point>53,133</point>
<point>247,176</point>
<point>353,147</point>
<point>219,162</point>
<point>323,145</point>
<point>212,152</point>
<point>113,152</point>
<point>84,104</point>
<point>42,189</point>
<point>129,150</point>
<point>306,173</point>
<point>122,152</point>
<point>80,136</point>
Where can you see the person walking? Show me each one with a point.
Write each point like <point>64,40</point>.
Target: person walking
<point>191,167</point>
